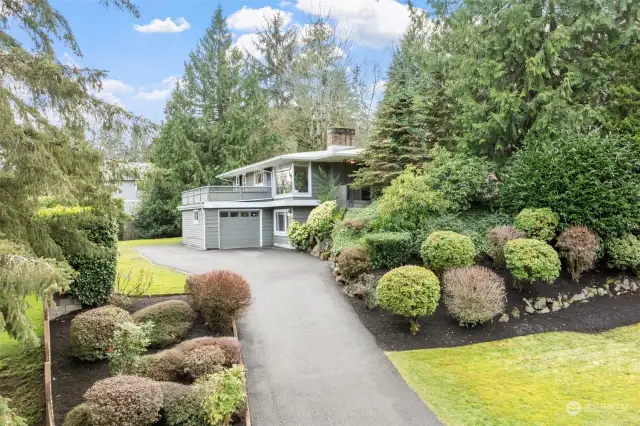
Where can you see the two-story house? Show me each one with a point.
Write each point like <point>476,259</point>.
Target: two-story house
<point>255,209</point>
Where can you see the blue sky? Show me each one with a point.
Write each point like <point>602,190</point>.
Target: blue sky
<point>143,56</point>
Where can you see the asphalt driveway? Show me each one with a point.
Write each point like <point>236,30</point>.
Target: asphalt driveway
<point>310,361</point>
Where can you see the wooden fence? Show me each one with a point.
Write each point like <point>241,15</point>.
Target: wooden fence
<point>47,368</point>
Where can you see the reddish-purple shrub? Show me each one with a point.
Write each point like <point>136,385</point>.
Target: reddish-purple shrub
<point>220,296</point>
<point>229,345</point>
<point>498,237</point>
<point>579,246</point>
<point>353,262</point>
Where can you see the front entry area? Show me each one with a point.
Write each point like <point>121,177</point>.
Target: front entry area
<point>240,228</point>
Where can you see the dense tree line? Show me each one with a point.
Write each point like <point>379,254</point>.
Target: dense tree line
<point>484,76</point>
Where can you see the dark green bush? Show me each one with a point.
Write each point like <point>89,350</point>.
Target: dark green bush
<point>171,320</point>
<point>125,401</point>
<point>91,332</point>
<point>80,415</point>
<point>530,260</point>
<point>588,180</point>
<point>389,249</point>
<point>182,405</point>
<point>539,224</point>
<point>353,262</point>
<point>96,276</point>
<point>410,291</point>
<point>446,249</point>
<point>624,253</point>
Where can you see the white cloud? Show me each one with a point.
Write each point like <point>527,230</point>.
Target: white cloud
<point>108,97</point>
<point>166,26</point>
<point>158,92</point>
<point>373,23</point>
<point>115,86</point>
<point>285,3</point>
<point>247,44</point>
<point>249,19</point>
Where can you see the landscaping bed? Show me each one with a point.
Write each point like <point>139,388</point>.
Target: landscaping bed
<point>440,330</point>
<point>73,377</point>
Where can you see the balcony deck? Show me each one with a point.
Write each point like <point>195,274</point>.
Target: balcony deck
<point>225,193</point>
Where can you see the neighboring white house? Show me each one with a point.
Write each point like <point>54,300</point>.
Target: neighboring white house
<point>128,186</point>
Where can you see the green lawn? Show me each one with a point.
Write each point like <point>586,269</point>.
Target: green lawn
<point>531,379</point>
<point>21,371</point>
<point>166,280</point>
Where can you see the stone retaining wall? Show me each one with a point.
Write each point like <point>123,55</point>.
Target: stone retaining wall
<point>64,305</point>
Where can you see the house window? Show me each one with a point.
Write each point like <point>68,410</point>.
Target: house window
<point>259,178</point>
<point>284,181</point>
<point>301,178</point>
<point>196,216</point>
<point>240,180</point>
<point>281,219</point>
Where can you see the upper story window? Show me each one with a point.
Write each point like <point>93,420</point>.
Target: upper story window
<point>294,178</point>
<point>240,180</point>
<point>260,178</point>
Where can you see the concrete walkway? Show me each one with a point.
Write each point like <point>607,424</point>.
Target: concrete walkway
<point>310,361</point>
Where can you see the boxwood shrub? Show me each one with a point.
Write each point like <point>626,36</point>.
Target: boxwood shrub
<point>80,415</point>
<point>171,320</point>
<point>124,400</point>
<point>91,332</point>
<point>446,249</point>
<point>624,253</point>
<point>530,260</point>
<point>182,405</point>
<point>410,291</point>
<point>540,224</point>
<point>389,249</point>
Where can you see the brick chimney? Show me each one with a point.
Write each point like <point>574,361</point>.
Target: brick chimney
<point>340,138</point>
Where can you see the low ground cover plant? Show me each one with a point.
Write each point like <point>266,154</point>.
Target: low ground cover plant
<point>91,332</point>
<point>8,416</point>
<point>353,262</point>
<point>446,249</point>
<point>579,247</point>
<point>410,291</point>
<point>171,320</point>
<point>473,295</point>
<point>540,224</point>
<point>498,237</point>
<point>530,260</point>
<point>124,400</point>
<point>624,253</point>
<point>389,249</point>
<point>220,296</point>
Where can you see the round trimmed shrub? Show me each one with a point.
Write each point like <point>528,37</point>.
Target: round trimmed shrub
<point>182,405</point>
<point>539,224</point>
<point>353,262</point>
<point>124,400</point>
<point>203,360</point>
<point>220,296</point>
<point>498,237</point>
<point>446,249</point>
<point>164,366</point>
<point>624,253</point>
<point>91,332</point>
<point>473,295</point>
<point>80,415</point>
<point>229,345</point>
<point>172,320</point>
<point>299,235</point>
<point>321,220</point>
<point>579,246</point>
<point>530,260</point>
<point>410,291</point>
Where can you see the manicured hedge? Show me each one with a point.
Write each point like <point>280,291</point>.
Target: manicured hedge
<point>389,249</point>
<point>91,332</point>
<point>171,319</point>
<point>446,249</point>
<point>530,260</point>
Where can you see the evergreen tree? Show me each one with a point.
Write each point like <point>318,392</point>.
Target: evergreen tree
<point>38,158</point>
<point>400,136</point>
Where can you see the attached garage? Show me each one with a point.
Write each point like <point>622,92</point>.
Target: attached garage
<point>240,229</point>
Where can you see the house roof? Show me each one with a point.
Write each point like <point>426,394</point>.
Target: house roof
<point>328,156</point>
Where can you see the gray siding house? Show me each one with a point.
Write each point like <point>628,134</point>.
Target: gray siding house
<point>255,209</point>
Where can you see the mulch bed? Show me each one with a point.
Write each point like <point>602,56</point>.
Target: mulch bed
<point>440,330</point>
<point>72,377</point>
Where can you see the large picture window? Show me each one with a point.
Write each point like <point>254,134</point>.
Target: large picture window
<point>283,181</point>
<point>301,178</point>
<point>281,219</point>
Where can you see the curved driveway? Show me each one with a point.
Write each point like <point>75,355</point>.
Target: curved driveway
<point>310,361</point>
